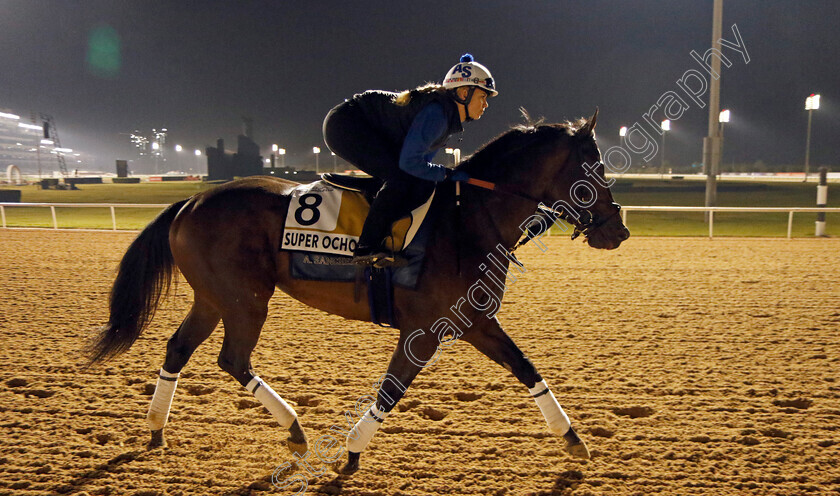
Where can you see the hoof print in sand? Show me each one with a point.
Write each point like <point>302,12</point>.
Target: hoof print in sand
<point>634,411</point>
<point>17,382</point>
<point>246,404</point>
<point>433,413</point>
<point>798,403</point>
<point>467,396</point>
<point>199,390</point>
<point>601,432</point>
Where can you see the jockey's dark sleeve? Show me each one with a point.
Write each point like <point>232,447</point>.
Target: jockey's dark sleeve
<point>417,151</point>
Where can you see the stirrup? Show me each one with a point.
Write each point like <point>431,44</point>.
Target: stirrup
<point>372,258</point>
<point>380,260</point>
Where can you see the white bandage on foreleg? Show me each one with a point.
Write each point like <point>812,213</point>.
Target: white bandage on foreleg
<point>554,415</point>
<point>162,400</point>
<point>282,412</point>
<point>365,428</point>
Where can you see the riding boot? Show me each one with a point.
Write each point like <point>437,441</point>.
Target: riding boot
<point>384,211</point>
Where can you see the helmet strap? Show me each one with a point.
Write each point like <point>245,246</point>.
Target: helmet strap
<point>465,101</point>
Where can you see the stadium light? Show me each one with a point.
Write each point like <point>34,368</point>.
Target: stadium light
<point>282,153</point>
<point>10,116</point>
<point>622,131</point>
<point>723,118</point>
<point>666,126</point>
<point>197,153</point>
<point>317,152</point>
<point>811,103</point>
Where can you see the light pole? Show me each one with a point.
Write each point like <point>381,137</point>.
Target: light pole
<point>711,143</point>
<point>198,161</point>
<point>317,152</point>
<point>723,118</point>
<point>178,150</point>
<point>156,154</point>
<point>335,162</point>
<point>622,132</point>
<point>282,153</point>
<point>811,103</point>
<point>666,126</point>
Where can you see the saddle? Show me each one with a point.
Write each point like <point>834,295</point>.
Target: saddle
<point>366,185</point>
<point>327,216</point>
<point>323,224</point>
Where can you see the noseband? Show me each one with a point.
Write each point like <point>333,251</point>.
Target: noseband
<point>587,222</point>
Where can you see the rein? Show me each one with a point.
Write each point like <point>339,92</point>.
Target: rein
<point>585,224</point>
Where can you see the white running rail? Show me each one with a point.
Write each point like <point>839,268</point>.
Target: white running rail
<point>624,210</point>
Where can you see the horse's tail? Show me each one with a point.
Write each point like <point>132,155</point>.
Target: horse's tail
<point>143,277</point>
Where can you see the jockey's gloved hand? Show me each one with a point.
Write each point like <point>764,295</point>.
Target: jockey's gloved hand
<point>456,175</point>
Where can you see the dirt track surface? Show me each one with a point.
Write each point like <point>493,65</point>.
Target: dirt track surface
<point>689,366</point>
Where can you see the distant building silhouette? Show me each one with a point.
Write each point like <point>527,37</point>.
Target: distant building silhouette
<point>222,165</point>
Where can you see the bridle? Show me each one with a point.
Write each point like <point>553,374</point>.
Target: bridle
<point>584,221</point>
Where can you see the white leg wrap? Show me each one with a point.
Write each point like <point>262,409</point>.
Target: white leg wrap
<point>365,428</point>
<point>282,412</point>
<point>554,415</point>
<point>162,400</point>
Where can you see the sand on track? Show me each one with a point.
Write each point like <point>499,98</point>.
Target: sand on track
<point>690,366</point>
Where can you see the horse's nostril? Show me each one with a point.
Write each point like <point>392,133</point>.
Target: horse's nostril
<point>625,233</point>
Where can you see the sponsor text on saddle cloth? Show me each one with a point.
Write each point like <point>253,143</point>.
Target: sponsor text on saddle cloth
<point>325,219</point>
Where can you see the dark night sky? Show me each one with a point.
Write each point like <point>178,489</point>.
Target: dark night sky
<point>196,67</point>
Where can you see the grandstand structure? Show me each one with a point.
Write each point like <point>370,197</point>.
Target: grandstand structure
<point>25,144</point>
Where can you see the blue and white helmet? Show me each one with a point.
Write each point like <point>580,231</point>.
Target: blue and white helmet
<point>468,72</point>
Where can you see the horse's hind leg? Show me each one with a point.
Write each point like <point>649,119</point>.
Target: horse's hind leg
<point>195,328</point>
<point>494,342</point>
<point>242,330</point>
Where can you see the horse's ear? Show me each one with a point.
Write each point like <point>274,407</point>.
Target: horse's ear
<point>588,129</point>
<point>593,119</point>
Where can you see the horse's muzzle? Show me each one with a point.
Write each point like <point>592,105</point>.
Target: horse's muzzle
<point>609,235</point>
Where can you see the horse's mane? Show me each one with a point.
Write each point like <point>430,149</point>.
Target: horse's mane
<point>518,137</point>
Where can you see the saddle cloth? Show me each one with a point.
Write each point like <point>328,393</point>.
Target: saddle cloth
<point>325,219</point>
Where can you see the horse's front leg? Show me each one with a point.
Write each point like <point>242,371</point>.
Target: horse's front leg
<point>392,386</point>
<point>490,339</point>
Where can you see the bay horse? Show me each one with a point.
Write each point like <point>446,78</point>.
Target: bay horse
<point>225,241</point>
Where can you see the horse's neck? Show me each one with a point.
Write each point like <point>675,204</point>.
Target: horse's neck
<point>494,217</point>
<point>499,214</point>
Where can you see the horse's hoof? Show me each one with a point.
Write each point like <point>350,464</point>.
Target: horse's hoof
<point>297,448</point>
<point>296,442</point>
<point>575,445</point>
<point>578,450</point>
<point>352,465</point>
<point>157,440</point>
